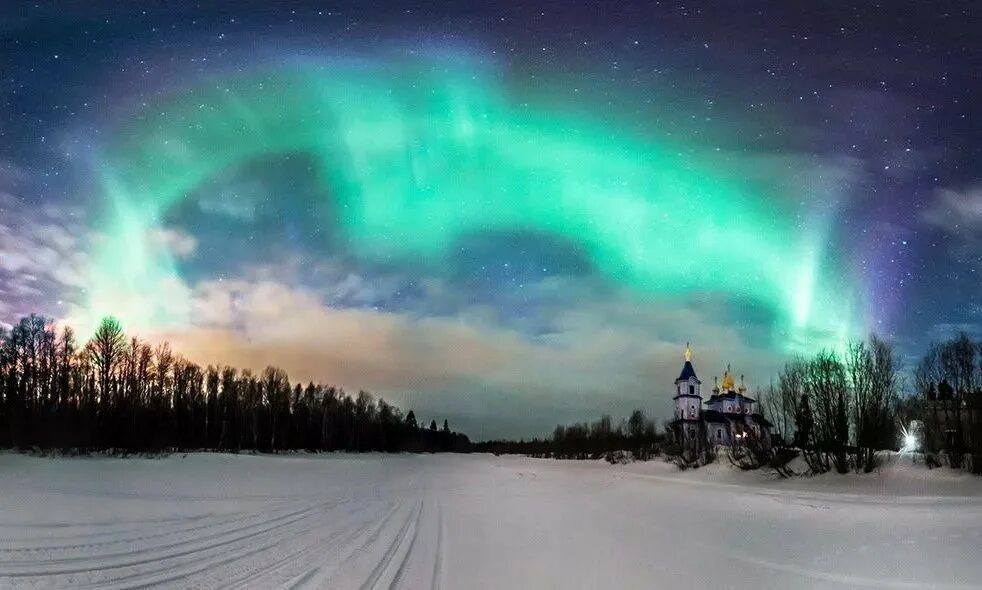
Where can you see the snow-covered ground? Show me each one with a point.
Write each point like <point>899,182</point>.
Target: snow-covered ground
<point>347,521</point>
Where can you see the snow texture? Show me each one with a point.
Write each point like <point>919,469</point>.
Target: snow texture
<point>370,521</point>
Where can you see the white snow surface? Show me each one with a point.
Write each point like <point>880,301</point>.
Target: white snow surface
<point>477,521</point>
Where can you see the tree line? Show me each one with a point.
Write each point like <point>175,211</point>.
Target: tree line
<point>587,440</point>
<point>835,409</point>
<point>838,410</point>
<point>123,395</point>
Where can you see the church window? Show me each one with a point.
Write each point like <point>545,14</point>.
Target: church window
<point>692,390</point>
<point>719,434</point>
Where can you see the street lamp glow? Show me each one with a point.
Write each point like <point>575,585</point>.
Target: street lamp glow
<point>910,438</point>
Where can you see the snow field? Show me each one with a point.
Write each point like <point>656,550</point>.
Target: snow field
<point>444,521</point>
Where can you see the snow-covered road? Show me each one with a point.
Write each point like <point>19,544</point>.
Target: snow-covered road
<point>218,521</point>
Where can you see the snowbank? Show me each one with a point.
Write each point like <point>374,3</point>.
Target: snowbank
<point>899,475</point>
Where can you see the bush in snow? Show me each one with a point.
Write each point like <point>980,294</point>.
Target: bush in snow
<point>619,457</point>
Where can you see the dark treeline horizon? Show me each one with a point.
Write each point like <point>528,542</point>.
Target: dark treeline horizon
<point>838,410</point>
<point>122,395</point>
<point>586,440</point>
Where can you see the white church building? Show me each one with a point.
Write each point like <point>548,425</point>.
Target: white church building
<point>728,416</point>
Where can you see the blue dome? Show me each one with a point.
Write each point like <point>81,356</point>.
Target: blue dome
<point>688,372</point>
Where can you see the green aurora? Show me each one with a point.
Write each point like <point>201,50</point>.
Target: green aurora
<point>418,154</point>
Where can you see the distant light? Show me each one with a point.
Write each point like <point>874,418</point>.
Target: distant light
<point>909,436</point>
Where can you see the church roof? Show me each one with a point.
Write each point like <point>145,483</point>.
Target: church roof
<point>688,372</point>
<point>731,395</point>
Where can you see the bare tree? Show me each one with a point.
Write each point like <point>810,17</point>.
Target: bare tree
<point>828,387</point>
<point>636,424</point>
<point>873,377</point>
<point>106,349</point>
<point>928,376</point>
<point>781,403</point>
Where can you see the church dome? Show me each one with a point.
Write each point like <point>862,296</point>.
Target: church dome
<point>728,383</point>
<point>688,372</point>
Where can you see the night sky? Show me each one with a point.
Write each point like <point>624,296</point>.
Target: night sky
<point>512,215</point>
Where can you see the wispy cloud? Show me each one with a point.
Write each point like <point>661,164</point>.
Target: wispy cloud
<point>958,213</point>
<point>178,243</point>
<point>604,355</point>
<point>42,256</point>
<point>957,209</point>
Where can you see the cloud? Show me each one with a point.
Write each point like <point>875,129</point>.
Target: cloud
<point>178,243</point>
<point>42,256</point>
<point>605,355</point>
<point>959,213</point>
<point>957,210</point>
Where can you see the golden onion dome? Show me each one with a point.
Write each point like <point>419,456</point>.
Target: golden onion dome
<point>728,383</point>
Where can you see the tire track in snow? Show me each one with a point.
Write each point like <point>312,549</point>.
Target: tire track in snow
<point>401,570</point>
<point>374,536</point>
<point>412,520</point>
<point>231,518</point>
<point>345,573</point>
<point>142,551</point>
<point>310,577</point>
<point>281,522</point>
<point>187,569</point>
<point>188,573</point>
<point>307,553</point>
<point>59,525</point>
<point>438,557</point>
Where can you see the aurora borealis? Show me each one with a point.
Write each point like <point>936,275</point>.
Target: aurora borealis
<point>415,161</point>
<point>518,213</point>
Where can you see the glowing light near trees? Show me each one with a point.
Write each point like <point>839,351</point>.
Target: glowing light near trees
<point>909,437</point>
<point>419,154</point>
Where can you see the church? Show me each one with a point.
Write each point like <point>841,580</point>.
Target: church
<point>729,414</point>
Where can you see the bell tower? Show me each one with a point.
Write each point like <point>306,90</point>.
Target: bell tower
<point>688,398</point>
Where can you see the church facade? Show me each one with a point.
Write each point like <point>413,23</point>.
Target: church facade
<point>728,416</point>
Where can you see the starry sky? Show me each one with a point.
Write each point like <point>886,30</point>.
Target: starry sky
<point>510,214</point>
